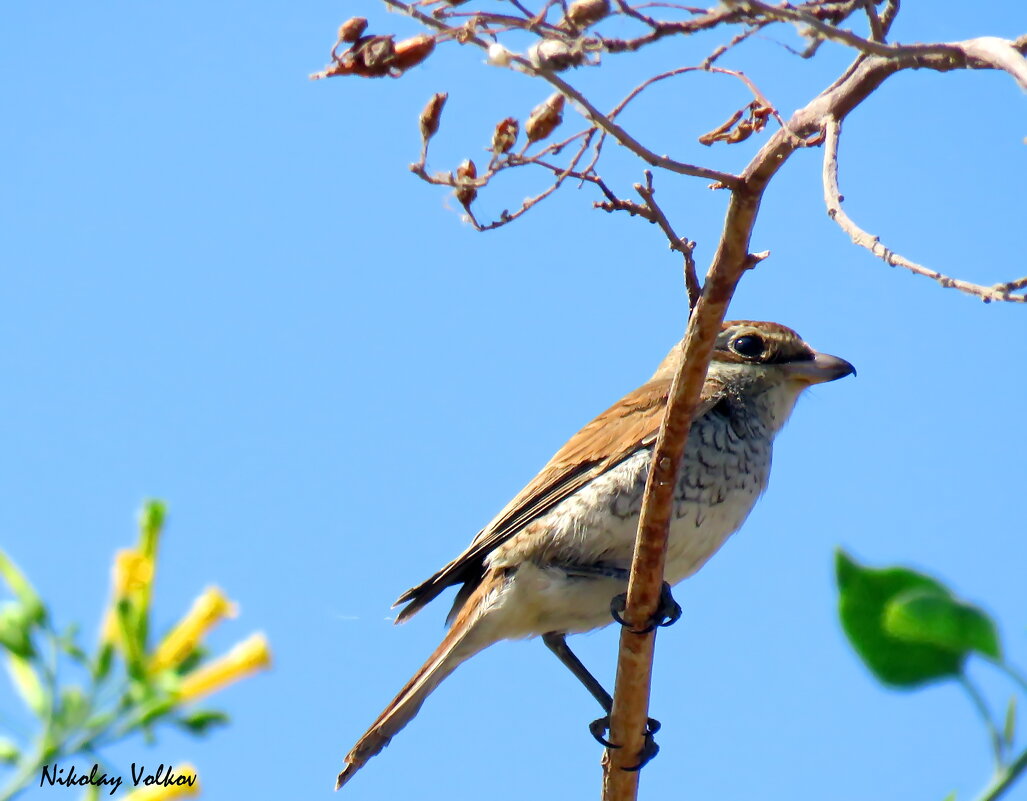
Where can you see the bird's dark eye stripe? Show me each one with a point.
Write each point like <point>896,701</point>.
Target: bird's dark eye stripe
<point>748,345</point>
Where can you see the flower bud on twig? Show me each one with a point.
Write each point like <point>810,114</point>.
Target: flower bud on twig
<point>544,118</point>
<point>505,135</point>
<point>374,54</point>
<point>411,52</point>
<point>432,115</point>
<point>587,12</point>
<point>555,55</point>
<point>465,190</point>
<point>352,29</point>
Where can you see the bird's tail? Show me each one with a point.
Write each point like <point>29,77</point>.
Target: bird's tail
<point>467,637</point>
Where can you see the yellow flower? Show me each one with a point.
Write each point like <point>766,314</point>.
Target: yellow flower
<point>207,610</point>
<point>131,574</point>
<point>158,792</point>
<point>246,657</point>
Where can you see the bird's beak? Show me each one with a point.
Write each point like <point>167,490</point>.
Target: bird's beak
<point>819,369</point>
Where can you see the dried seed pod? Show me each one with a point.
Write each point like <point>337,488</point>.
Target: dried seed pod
<point>587,12</point>
<point>411,52</point>
<point>555,55</point>
<point>432,114</point>
<point>723,130</point>
<point>352,29</point>
<point>505,135</point>
<point>375,55</point>
<point>544,118</point>
<point>742,132</point>
<point>465,189</point>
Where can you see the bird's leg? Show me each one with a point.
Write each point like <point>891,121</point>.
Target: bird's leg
<point>667,612</point>
<point>556,641</point>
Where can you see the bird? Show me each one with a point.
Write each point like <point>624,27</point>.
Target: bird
<point>556,558</point>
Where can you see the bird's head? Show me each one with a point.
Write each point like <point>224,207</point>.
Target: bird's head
<point>764,361</point>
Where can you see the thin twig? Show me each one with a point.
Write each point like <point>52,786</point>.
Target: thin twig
<point>682,245</point>
<point>891,9</point>
<point>593,114</point>
<point>981,708</point>
<point>1004,779</point>
<point>786,13</point>
<point>1012,286</point>
<point>876,31</point>
<point>613,129</point>
<point>833,200</point>
<point>736,40</point>
<point>663,28</point>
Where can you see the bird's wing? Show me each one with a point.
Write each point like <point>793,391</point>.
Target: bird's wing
<point>631,423</point>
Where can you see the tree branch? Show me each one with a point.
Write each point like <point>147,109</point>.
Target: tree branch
<point>833,200</point>
<point>634,665</point>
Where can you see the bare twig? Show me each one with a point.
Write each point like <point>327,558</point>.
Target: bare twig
<point>833,199</point>
<point>1012,286</point>
<point>891,9</point>
<point>683,246</point>
<point>736,40</point>
<point>593,114</point>
<point>787,13</point>
<point>876,31</point>
<point>600,120</point>
<point>989,51</point>
<point>561,176</point>
<point>663,29</point>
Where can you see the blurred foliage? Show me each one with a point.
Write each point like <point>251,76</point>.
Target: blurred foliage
<point>125,685</point>
<point>911,630</point>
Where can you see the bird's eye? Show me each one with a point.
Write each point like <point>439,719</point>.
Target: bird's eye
<point>750,346</point>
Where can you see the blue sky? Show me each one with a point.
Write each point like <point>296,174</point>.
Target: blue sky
<point>221,287</point>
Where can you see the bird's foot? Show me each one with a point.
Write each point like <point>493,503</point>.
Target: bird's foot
<point>649,748</point>
<point>667,612</point>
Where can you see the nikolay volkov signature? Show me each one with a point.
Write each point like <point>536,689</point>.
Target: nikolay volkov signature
<point>164,776</point>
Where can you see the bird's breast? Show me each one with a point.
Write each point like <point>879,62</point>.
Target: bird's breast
<point>724,470</point>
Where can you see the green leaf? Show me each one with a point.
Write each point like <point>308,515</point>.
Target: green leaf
<point>9,753</point>
<point>1009,730</point>
<point>935,618</point>
<point>27,683</point>
<point>73,709</point>
<point>101,720</point>
<point>202,720</point>
<point>153,711</point>
<point>864,594</point>
<point>951,796</point>
<point>35,609</point>
<point>76,653</point>
<point>187,665</point>
<point>151,524</point>
<point>15,629</point>
<point>102,665</point>
<point>67,643</point>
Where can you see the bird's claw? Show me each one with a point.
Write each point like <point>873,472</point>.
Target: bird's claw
<point>598,727</point>
<point>649,748</point>
<point>667,612</point>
